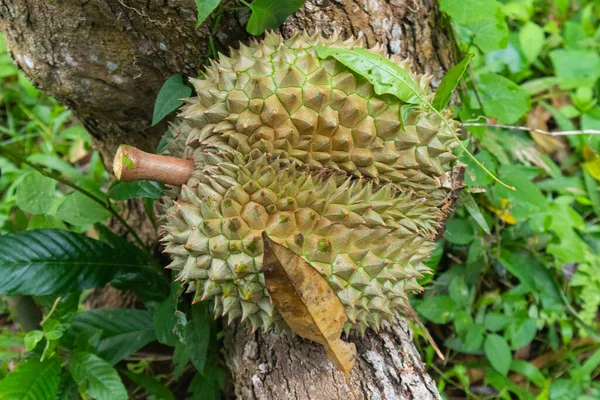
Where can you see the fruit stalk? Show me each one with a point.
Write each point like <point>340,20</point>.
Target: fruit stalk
<point>132,164</point>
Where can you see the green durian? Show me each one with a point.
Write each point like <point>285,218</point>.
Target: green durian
<point>303,149</point>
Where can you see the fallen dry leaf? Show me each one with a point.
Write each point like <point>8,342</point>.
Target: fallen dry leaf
<point>306,302</point>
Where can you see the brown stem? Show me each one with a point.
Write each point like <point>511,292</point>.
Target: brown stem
<point>132,164</point>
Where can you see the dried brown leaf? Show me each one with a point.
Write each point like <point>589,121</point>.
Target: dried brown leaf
<point>306,302</point>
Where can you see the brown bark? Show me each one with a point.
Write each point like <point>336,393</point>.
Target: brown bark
<point>107,59</point>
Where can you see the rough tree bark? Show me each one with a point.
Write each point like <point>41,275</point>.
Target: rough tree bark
<point>107,59</point>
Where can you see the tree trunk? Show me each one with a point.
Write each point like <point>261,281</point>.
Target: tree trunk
<point>107,59</point>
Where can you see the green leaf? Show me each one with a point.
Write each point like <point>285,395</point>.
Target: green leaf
<point>45,222</point>
<point>459,231</point>
<point>205,7</point>
<point>467,200</point>
<point>459,292</point>
<point>496,322</point>
<point>36,193</point>
<point>148,280</point>
<point>269,14</point>
<point>53,330</point>
<point>181,358</point>
<point>46,261</point>
<point>78,209</point>
<point>529,371</point>
<point>168,322</point>
<point>133,190</point>
<point>449,83</point>
<point>502,98</point>
<point>151,385</point>
<point>98,378</point>
<point>474,337</point>
<point>531,38</point>
<point>207,386</point>
<point>124,331</point>
<point>466,11</point>
<point>491,33</point>
<point>524,333</point>
<point>386,76</point>
<point>32,338</point>
<point>498,353</point>
<point>169,96</point>
<point>576,68</point>
<point>32,380</point>
<point>197,336</point>
<point>438,309</point>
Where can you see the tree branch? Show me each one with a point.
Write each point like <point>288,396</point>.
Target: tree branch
<point>540,131</point>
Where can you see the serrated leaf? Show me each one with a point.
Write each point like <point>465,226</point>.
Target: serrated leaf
<point>386,76</point>
<point>169,96</point>
<point>124,331</point>
<point>32,379</point>
<point>498,353</point>
<point>269,14</point>
<point>36,193</point>
<point>57,262</point>
<point>306,302</point>
<point>197,336</point>
<point>100,380</point>
<point>134,190</point>
<point>449,83</point>
<point>78,209</point>
<point>151,385</point>
<point>205,7</point>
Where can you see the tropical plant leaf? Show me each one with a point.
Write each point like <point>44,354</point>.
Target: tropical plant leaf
<point>36,193</point>
<point>151,385</point>
<point>468,201</point>
<point>169,97</point>
<point>57,262</point>
<point>134,190</point>
<point>197,336</point>
<point>124,331</point>
<point>205,7</point>
<point>306,302</point>
<point>100,380</point>
<point>169,323</point>
<point>269,14</point>
<point>386,76</point>
<point>498,353</point>
<point>449,83</point>
<point>32,379</point>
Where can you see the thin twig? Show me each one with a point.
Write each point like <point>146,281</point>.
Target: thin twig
<point>105,204</point>
<point>540,131</point>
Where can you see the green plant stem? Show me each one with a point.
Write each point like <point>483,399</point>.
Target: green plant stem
<point>105,204</point>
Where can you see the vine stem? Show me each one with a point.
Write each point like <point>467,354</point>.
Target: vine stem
<point>540,131</point>
<point>105,204</point>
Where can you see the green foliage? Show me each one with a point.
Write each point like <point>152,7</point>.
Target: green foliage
<point>517,280</point>
<point>54,201</point>
<point>449,83</point>
<point>169,97</point>
<point>269,14</point>
<point>205,7</point>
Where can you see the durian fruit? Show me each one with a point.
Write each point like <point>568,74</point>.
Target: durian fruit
<point>303,149</point>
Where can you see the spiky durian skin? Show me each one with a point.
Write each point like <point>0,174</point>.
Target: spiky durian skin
<point>303,149</point>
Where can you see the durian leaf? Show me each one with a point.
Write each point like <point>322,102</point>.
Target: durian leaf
<point>269,14</point>
<point>205,7</point>
<point>449,83</point>
<point>306,302</point>
<point>124,331</point>
<point>32,380</point>
<point>386,76</point>
<point>57,262</point>
<point>169,96</point>
<point>133,190</point>
<point>98,378</point>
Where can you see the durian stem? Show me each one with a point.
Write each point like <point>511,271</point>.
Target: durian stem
<point>132,164</point>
